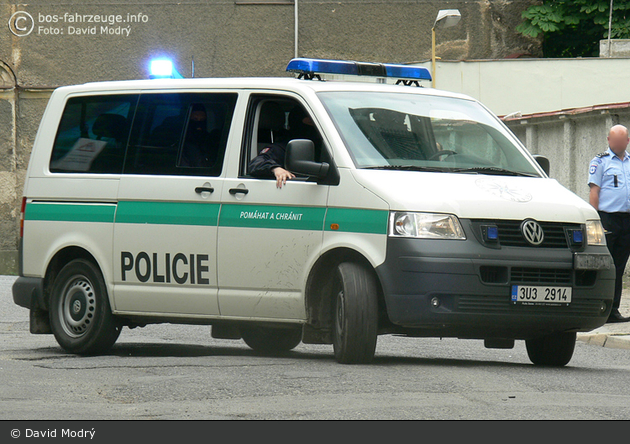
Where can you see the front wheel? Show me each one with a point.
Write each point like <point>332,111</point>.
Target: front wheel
<point>553,350</point>
<point>355,316</point>
<point>80,315</point>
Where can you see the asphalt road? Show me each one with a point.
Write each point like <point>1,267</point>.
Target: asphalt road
<point>173,372</point>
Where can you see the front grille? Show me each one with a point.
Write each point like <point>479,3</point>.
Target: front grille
<point>510,234</point>
<point>548,276</point>
<point>503,304</point>
<point>532,276</point>
<point>493,274</point>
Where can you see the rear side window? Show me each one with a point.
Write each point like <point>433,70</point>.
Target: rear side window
<point>93,134</point>
<point>180,134</point>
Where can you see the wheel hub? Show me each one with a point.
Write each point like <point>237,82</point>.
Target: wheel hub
<point>78,307</point>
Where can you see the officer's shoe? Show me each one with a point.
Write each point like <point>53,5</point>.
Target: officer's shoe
<point>615,316</point>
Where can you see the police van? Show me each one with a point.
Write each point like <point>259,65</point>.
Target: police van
<point>413,212</point>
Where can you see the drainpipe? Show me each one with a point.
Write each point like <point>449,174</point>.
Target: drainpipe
<point>610,26</point>
<point>296,29</point>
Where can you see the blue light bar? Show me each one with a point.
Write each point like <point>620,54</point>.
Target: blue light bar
<point>163,69</point>
<point>310,67</point>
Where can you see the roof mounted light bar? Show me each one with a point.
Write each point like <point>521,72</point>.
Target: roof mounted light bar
<point>311,68</point>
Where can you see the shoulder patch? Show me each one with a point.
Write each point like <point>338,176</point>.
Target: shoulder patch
<point>604,154</point>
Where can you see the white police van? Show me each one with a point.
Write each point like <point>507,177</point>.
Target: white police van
<point>413,212</point>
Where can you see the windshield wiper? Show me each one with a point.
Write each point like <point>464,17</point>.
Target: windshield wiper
<point>408,168</point>
<point>492,170</point>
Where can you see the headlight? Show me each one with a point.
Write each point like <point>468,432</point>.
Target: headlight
<point>425,226</point>
<point>595,233</point>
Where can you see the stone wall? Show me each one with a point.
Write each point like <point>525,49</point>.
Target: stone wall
<point>78,41</point>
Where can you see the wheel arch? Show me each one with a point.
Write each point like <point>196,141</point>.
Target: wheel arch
<point>58,261</point>
<point>319,298</point>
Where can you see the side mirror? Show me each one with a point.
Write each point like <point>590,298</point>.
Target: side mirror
<point>543,162</point>
<point>299,159</point>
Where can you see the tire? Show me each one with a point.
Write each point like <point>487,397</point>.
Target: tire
<point>554,350</point>
<point>80,315</point>
<point>272,341</point>
<point>355,316</point>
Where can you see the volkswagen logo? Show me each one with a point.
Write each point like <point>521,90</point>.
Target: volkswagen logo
<point>532,232</point>
<point>76,306</point>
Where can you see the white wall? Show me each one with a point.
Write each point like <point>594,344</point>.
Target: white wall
<point>529,85</point>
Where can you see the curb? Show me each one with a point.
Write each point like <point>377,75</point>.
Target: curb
<point>608,340</point>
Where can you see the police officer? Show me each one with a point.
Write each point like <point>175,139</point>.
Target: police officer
<point>609,182</point>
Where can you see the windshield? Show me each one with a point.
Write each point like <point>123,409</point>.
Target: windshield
<point>429,133</point>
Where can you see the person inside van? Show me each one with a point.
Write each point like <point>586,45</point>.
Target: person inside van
<point>268,164</point>
<point>270,161</point>
<point>301,126</point>
<point>199,148</point>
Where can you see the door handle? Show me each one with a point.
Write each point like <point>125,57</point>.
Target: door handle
<point>200,190</point>
<point>234,191</point>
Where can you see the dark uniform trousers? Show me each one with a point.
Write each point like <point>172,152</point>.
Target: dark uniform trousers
<point>617,226</point>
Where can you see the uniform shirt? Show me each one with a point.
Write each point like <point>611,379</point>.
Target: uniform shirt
<point>612,175</point>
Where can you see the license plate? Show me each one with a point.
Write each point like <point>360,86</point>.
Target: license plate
<point>540,295</point>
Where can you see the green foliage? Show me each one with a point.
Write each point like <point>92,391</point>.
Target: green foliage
<point>573,28</point>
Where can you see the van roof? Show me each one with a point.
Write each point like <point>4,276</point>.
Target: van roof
<point>244,83</point>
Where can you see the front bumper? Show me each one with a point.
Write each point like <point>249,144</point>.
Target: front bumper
<point>462,289</point>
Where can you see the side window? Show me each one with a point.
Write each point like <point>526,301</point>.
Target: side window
<point>92,135</point>
<point>180,134</point>
<point>272,122</point>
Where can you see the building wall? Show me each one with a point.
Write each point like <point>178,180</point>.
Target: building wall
<point>242,38</point>
<point>45,44</point>
<point>531,85</point>
<point>570,140</point>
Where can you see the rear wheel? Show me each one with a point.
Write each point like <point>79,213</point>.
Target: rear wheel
<point>355,316</point>
<point>80,315</point>
<point>553,350</point>
<point>272,340</point>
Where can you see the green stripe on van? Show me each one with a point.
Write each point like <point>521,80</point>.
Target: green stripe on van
<point>168,213</point>
<point>271,216</point>
<point>357,220</point>
<point>207,214</point>
<point>70,212</point>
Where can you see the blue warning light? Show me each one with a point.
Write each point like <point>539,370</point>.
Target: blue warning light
<point>311,68</point>
<point>163,69</point>
<point>493,233</point>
